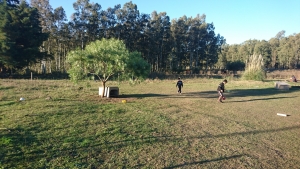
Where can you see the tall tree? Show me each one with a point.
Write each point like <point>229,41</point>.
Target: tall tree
<point>80,20</point>
<point>45,13</point>
<point>179,29</point>
<point>46,19</point>
<point>285,53</point>
<point>280,34</point>
<point>22,35</point>
<point>274,45</point>
<point>296,49</point>
<point>128,19</point>
<point>60,36</point>
<point>212,46</point>
<point>263,48</point>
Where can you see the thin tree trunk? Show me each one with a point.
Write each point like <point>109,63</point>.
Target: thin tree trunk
<point>103,85</point>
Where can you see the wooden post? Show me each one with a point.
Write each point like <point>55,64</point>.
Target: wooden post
<point>31,75</point>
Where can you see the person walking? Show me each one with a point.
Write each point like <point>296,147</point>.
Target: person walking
<point>221,90</point>
<point>179,84</point>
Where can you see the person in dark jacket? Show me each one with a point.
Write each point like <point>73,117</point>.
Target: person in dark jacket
<point>179,84</point>
<point>221,90</point>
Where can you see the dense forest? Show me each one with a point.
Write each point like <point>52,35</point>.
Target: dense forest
<point>37,37</point>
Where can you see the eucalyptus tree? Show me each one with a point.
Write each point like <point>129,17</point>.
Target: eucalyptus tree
<point>232,53</point>
<point>195,37</point>
<point>250,45</point>
<point>160,23</point>
<point>46,19</point>
<point>18,25</point>
<point>212,46</point>
<point>280,35</point>
<point>130,26</point>
<point>263,48</point>
<point>243,53</point>
<point>149,43</point>
<point>222,60</point>
<point>46,13</point>
<point>141,43</point>
<point>179,36</point>
<point>60,36</point>
<point>110,26</point>
<point>104,59</point>
<point>244,50</point>
<point>284,53</point>
<point>155,39</point>
<point>80,22</point>
<point>274,45</point>
<point>93,25</point>
<point>296,48</point>
<point>127,18</point>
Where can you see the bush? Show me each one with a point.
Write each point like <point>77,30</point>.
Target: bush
<point>255,69</point>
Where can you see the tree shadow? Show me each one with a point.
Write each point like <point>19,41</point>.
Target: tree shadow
<point>8,103</point>
<point>12,144</point>
<point>206,161</point>
<point>140,96</point>
<point>258,92</point>
<point>269,98</point>
<point>6,88</point>
<point>244,93</point>
<point>13,153</point>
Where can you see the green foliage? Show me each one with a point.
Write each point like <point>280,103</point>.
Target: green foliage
<point>235,65</point>
<point>255,69</point>
<point>77,59</point>
<point>104,59</point>
<point>4,141</point>
<point>21,36</point>
<point>137,66</point>
<point>264,48</point>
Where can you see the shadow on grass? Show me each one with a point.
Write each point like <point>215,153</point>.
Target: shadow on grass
<point>140,96</point>
<point>13,142</point>
<point>214,94</point>
<point>8,103</point>
<point>6,88</point>
<point>113,145</point>
<point>15,154</point>
<point>178,138</point>
<point>243,93</point>
<point>269,98</point>
<point>205,161</point>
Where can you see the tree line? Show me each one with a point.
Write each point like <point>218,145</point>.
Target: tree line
<point>279,52</point>
<point>37,37</point>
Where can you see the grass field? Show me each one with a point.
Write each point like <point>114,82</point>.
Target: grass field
<point>60,126</point>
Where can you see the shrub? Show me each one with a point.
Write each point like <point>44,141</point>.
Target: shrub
<point>255,68</point>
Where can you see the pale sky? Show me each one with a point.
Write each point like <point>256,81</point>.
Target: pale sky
<point>235,20</point>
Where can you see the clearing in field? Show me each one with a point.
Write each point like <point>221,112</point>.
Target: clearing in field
<point>62,125</point>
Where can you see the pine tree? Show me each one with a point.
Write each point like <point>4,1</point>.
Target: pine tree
<point>21,35</point>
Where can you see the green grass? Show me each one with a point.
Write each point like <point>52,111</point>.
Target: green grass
<point>156,128</point>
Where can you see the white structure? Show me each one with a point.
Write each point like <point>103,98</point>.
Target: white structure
<point>109,91</point>
<point>282,85</point>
